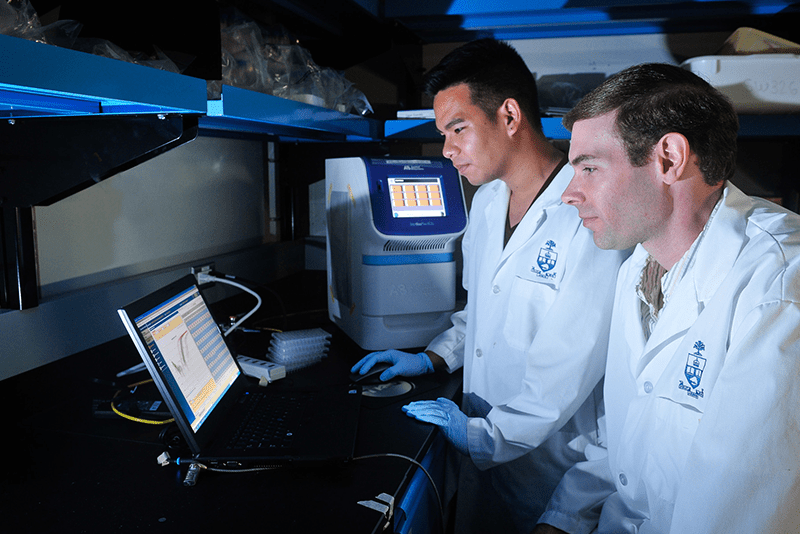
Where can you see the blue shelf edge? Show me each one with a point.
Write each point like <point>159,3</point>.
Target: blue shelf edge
<point>249,111</point>
<point>424,129</point>
<point>38,79</point>
<point>750,126</point>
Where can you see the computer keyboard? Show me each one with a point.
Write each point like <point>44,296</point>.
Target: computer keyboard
<point>269,420</point>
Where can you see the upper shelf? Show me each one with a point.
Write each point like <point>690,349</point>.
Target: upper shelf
<point>425,130</point>
<point>750,126</point>
<point>462,20</point>
<point>38,80</point>
<point>248,111</point>
<point>41,80</point>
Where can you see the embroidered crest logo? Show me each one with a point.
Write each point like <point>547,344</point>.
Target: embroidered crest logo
<point>695,364</point>
<point>547,257</point>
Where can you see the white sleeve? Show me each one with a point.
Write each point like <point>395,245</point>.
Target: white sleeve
<point>565,361</point>
<point>449,345</point>
<point>576,503</point>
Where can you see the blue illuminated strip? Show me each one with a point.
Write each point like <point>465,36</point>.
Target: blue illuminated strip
<point>407,259</point>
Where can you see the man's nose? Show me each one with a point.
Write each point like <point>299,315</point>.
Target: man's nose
<point>449,150</point>
<point>572,195</point>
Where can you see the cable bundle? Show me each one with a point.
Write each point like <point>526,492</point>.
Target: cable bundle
<point>298,348</point>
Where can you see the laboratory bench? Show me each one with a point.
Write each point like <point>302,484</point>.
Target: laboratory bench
<point>73,467</point>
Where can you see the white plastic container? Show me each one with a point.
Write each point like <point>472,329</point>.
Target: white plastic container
<point>758,83</point>
<point>297,349</point>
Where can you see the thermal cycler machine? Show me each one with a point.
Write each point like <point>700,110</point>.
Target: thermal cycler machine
<point>392,229</point>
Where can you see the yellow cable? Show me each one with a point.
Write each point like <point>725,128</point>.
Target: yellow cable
<point>138,419</point>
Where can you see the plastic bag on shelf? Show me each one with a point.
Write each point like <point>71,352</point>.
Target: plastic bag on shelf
<point>243,64</point>
<point>353,101</point>
<point>18,18</point>
<point>104,48</point>
<point>267,61</point>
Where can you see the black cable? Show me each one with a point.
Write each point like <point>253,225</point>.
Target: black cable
<point>419,465</point>
<point>357,458</point>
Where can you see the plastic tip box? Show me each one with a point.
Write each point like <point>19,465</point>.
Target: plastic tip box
<point>298,348</point>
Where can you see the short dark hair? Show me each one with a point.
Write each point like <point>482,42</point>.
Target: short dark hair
<point>654,99</point>
<point>494,71</point>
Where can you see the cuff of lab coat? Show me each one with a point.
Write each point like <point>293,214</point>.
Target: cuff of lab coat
<point>482,448</point>
<point>452,356</point>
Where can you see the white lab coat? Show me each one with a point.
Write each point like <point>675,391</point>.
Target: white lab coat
<point>532,338</point>
<point>719,453</point>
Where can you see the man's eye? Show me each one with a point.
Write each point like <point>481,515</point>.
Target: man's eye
<point>457,130</point>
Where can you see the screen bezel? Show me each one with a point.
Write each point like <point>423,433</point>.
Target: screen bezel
<point>379,170</point>
<point>200,439</point>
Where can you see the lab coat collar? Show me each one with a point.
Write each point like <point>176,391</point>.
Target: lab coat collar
<point>549,199</point>
<point>714,259</point>
<point>630,307</point>
<point>496,212</point>
<point>725,238</point>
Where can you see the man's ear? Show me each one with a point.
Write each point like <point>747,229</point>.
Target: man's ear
<point>672,155</point>
<point>510,115</point>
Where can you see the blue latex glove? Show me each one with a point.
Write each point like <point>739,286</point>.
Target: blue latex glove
<point>446,415</point>
<point>403,363</point>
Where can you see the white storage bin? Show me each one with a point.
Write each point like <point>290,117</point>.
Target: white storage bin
<point>758,83</point>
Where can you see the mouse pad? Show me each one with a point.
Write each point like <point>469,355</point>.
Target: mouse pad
<point>394,388</point>
<point>420,384</point>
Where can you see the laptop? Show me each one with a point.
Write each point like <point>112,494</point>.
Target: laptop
<point>213,401</point>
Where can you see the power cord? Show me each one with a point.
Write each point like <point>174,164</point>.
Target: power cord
<point>194,467</point>
<point>417,464</point>
<point>266,288</point>
<point>203,278</point>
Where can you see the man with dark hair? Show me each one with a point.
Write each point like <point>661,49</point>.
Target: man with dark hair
<point>533,278</point>
<point>701,387</point>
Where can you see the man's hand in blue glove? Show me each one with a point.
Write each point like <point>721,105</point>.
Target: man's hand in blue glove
<point>403,364</point>
<point>446,415</point>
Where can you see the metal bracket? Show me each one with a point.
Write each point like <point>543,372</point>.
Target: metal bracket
<point>383,503</point>
<point>43,160</point>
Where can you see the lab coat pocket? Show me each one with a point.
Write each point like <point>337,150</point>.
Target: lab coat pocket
<point>653,448</point>
<point>672,435</point>
<point>530,301</point>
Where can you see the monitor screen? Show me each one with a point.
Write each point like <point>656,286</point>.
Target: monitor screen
<point>191,353</point>
<point>415,197</point>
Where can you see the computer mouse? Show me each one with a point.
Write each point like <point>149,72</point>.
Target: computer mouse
<point>372,376</point>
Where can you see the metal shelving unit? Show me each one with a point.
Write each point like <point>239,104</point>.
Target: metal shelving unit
<point>70,119</point>
<point>38,81</point>
<point>240,110</point>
